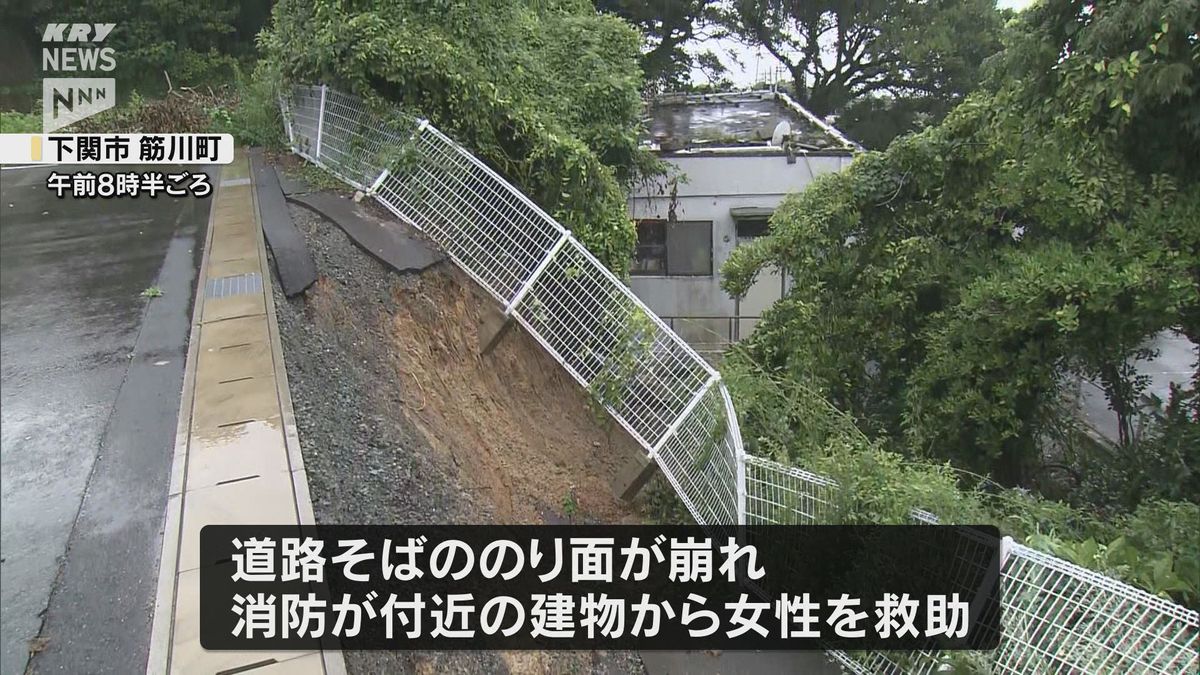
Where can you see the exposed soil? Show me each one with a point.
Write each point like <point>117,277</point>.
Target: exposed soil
<point>402,421</point>
<point>515,423</point>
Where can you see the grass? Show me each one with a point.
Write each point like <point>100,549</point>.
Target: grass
<point>152,292</point>
<point>316,176</point>
<point>570,505</point>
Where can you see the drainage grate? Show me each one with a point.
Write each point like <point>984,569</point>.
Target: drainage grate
<point>240,284</point>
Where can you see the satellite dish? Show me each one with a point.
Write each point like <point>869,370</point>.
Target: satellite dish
<point>782,130</point>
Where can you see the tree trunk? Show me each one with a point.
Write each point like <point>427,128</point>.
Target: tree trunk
<point>1010,466</point>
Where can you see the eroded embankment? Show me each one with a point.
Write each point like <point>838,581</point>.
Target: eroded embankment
<point>402,421</point>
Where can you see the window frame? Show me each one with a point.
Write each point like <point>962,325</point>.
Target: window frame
<point>667,226</point>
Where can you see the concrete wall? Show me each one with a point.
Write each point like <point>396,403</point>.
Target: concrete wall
<point>715,184</point>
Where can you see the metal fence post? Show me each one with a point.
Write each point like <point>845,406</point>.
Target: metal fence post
<point>687,410</point>
<point>733,429</point>
<point>740,458</point>
<point>321,120</point>
<point>537,272</point>
<point>379,181</point>
<point>286,109</point>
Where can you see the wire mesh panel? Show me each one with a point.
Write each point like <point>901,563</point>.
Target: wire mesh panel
<point>357,143</point>
<point>894,663</point>
<point>486,225</point>
<point>303,112</point>
<point>700,459</point>
<point>598,329</point>
<point>777,494</point>
<point>1062,618</point>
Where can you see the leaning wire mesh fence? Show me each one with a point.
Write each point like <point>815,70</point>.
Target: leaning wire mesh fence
<point>777,494</point>
<point>651,381</point>
<point>1058,617</point>
<point>1062,619</point>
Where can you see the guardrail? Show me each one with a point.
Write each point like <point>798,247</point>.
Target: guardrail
<point>1059,617</point>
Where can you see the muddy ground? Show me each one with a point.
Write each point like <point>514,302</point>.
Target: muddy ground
<point>402,421</point>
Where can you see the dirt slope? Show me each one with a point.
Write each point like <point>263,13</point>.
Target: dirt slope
<point>513,420</point>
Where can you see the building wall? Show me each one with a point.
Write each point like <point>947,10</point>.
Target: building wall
<point>715,184</point>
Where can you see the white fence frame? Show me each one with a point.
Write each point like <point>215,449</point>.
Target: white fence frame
<point>1059,617</point>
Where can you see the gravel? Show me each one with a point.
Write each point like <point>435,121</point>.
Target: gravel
<point>365,462</point>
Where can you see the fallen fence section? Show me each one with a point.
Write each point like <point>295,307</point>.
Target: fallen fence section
<point>1058,617</point>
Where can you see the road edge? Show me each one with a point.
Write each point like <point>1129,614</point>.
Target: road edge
<point>164,601</point>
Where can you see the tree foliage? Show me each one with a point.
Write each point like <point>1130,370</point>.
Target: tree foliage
<point>545,92</point>
<point>1153,547</point>
<point>861,57</point>
<point>667,26</point>
<point>946,289</point>
<point>194,43</point>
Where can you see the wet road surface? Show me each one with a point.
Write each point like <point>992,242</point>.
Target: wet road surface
<point>90,376</point>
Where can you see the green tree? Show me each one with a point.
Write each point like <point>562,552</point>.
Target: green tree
<point>946,289</point>
<point>544,92</point>
<point>856,56</point>
<point>194,43</point>
<point>667,26</point>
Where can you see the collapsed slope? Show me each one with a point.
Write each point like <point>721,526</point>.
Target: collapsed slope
<point>401,421</point>
<point>510,427</point>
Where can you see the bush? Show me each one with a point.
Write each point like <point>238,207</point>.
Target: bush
<point>547,93</point>
<point>1162,460</point>
<point>12,122</point>
<point>248,110</point>
<point>251,112</point>
<point>182,113</point>
<point>1155,548</point>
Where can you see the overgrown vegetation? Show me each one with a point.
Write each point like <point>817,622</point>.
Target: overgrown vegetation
<point>1153,546</point>
<point>20,123</point>
<point>247,108</point>
<point>949,290</point>
<point>893,65</point>
<point>882,67</point>
<point>180,67</point>
<point>157,43</point>
<point>545,92</point>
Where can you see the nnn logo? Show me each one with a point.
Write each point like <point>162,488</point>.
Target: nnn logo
<point>66,100</point>
<point>74,47</point>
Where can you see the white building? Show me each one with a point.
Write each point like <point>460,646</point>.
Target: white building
<point>735,156</point>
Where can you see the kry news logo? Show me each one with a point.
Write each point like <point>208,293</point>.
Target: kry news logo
<point>66,100</point>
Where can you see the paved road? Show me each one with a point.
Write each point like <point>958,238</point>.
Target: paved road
<point>90,376</point>
<point>1174,363</point>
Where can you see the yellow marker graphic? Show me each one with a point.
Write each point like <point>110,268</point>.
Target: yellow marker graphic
<point>35,148</point>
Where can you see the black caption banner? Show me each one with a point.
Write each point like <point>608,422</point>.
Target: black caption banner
<point>599,587</point>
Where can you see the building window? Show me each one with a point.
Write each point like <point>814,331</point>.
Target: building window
<point>650,257</point>
<point>751,228</point>
<point>682,248</point>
